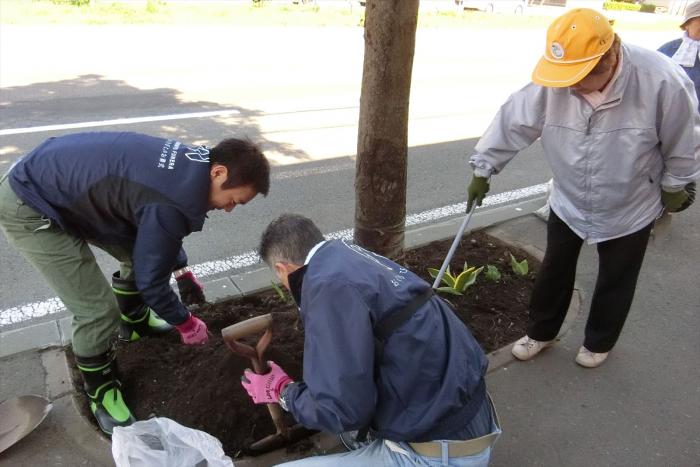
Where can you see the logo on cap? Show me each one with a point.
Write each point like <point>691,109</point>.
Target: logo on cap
<point>557,50</point>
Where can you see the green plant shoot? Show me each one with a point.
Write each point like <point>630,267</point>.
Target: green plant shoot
<point>280,292</point>
<point>457,285</point>
<point>492,273</point>
<point>520,268</point>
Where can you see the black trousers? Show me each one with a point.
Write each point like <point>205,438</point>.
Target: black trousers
<point>619,262</point>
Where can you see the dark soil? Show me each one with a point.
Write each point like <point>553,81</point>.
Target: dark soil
<point>199,387</point>
<point>495,312</point>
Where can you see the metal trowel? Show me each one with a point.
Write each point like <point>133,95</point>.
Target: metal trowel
<point>19,416</point>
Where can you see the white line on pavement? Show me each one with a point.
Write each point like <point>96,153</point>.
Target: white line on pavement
<point>287,174</point>
<point>53,305</point>
<point>119,121</point>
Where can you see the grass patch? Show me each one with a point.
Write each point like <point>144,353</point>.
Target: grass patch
<point>243,13</point>
<point>246,13</point>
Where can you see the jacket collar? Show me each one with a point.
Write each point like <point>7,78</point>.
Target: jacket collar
<point>313,251</point>
<point>295,282</point>
<point>296,279</point>
<point>614,96</point>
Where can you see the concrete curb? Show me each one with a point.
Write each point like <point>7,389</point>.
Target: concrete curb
<point>61,392</point>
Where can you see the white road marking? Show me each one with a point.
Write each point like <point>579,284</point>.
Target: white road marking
<point>53,305</point>
<point>287,174</point>
<point>118,121</point>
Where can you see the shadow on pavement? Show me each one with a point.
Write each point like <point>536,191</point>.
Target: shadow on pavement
<point>90,98</point>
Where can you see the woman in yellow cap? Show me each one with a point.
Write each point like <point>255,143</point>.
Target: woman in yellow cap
<point>616,124</point>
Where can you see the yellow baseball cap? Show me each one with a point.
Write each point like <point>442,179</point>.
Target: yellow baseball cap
<point>575,43</point>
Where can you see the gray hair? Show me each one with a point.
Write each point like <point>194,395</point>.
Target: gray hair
<point>288,239</point>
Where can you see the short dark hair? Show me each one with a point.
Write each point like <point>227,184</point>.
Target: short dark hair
<point>245,162</point>
<point>288,239</point>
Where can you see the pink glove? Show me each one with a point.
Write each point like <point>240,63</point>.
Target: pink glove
<point>191,290</point>
<point>265,389</point>
<point>193,331</point>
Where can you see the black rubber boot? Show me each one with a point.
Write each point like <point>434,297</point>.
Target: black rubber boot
<point>137,319</point>
<point>101,383</point>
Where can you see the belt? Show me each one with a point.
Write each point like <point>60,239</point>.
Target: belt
<point>455,448</point>
<point>464,448</point>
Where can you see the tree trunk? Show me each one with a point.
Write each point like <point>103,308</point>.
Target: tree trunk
<point>380,180</point>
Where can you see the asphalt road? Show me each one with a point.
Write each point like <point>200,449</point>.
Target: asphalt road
<point>296,91</point>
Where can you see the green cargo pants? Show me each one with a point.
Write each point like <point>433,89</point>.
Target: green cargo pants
<point>69,267</point>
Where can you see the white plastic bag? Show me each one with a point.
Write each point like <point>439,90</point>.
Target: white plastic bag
<point>161,442</point>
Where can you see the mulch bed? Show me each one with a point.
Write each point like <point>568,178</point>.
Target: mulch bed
<point>199,387</point>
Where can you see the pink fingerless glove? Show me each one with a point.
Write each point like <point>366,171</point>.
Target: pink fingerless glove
<point>193,331</point>
<point>265,389</point>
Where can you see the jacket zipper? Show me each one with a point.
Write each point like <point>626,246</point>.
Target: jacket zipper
<point>601,107</point>
<point>588,165</point>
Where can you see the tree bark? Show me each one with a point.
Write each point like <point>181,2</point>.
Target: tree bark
<point>381,168</point>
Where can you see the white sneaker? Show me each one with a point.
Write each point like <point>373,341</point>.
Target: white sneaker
<point>590,359</point>
<point>526,348</point>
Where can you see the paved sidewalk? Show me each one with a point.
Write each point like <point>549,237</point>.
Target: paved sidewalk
<point>641,408</point>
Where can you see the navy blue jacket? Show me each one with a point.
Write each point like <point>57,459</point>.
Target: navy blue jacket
<point>669,49</point>
<point>136,191</point>
<point>430,381</point>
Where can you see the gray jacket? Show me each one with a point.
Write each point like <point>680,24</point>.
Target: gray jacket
<point>609,163</point>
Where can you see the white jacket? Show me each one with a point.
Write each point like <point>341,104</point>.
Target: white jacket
<point>609,163</point>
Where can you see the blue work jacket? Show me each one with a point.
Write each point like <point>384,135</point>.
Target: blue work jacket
<point>123,189</point>
<point>669,49</point>
<point>430,380</point>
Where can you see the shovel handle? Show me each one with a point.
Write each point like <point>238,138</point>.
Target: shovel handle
<point>247,328</point>
<point>277,420</point>
<point>455,243</point>
<point>250,327</point>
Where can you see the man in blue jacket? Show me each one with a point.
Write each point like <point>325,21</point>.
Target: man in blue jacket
<point>686,50</point>
<point>381,352</point>
<point>136,197</point>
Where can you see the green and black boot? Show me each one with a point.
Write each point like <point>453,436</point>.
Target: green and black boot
<point>137,319</point>
<point>101,383</point>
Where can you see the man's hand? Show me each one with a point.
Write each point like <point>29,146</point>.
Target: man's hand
<point>674,201</point>
<point>690,189</point>
<point>193,331</point>
<point>191,290</point>
<point>265,389</point>
<point>476,191</point>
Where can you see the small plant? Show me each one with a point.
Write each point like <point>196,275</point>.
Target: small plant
<point>520,268</point>
<point>457,285</point>
<point>280,293</point>
<point>492,273</point>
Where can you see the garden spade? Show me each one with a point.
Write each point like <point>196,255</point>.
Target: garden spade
<point>451,253</point>
<point>248,328</point>
<point>19,416</point>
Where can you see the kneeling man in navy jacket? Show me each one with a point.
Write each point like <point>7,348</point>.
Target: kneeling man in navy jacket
<point>381,354</point>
